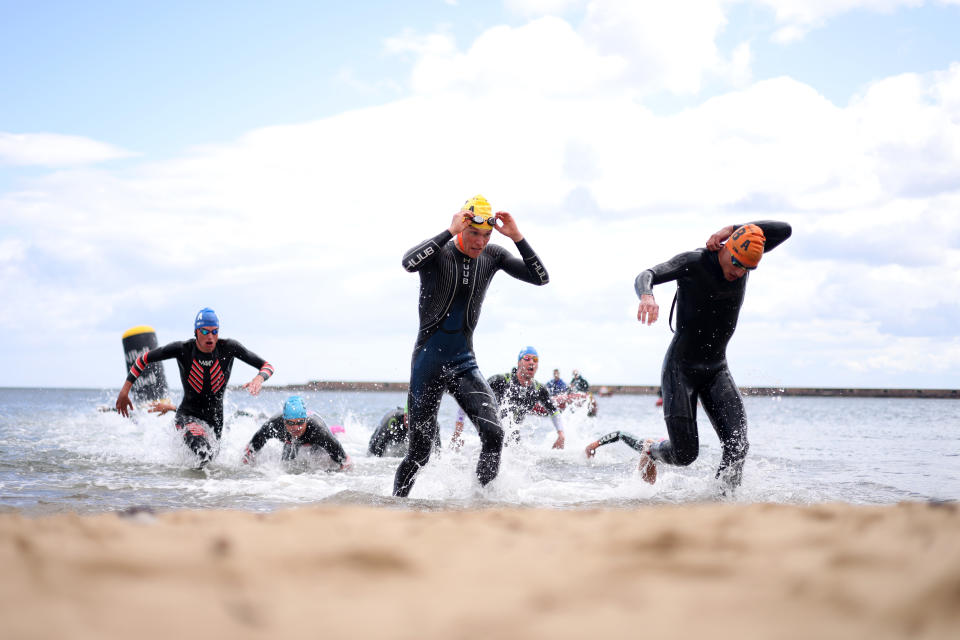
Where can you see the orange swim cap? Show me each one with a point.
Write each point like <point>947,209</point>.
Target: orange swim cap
<point>746,245</point>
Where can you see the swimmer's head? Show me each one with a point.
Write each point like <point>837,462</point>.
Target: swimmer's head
<point>746,246</point>
<point>528,351</point>
<point>206,328</point>
<point>527,363</point>
<point>482,215</point>
<point>295,416</point>
<point>206,317</point>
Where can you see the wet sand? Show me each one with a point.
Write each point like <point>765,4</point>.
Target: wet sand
<point>711,571</point>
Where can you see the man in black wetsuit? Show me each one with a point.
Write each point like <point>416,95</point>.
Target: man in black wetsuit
<point>455,268</point>
<point>205,363</point>
<point>296,429</point>
<point>711,284</point>
<point>578,383</point>
<point>517,394</point>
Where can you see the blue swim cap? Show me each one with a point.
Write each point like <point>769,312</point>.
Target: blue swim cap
<point>527,351</point>
<point>206,317</point>
<point>293,409</point>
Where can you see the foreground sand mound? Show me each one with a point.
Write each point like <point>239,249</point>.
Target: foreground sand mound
<point>727,571</point>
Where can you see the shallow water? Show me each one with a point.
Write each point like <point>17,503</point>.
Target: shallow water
<point>59,453</point>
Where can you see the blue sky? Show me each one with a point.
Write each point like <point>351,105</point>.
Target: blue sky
<point>257,158</point>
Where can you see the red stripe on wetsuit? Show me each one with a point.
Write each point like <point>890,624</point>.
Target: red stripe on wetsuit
<point>139,365</point>
<point>266,371</point>
<point>195,378</point>
<point>216,377</point>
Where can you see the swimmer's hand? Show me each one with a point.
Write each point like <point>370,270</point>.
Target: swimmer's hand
<point>591,449</point>
<point>558,444</point>
<point>161,407</point>
<point>124,406</point>
<point>457,440</point>
<point>508,226</point>
<point>649,310</point>
<point>461,220</point>
<point>347,465</point>
<point>254,385</point>
<point>716,241</point>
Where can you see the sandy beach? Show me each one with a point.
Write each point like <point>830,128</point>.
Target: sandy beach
<point>708,570</point>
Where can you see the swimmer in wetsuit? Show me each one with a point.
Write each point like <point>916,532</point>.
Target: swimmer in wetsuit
<point>455,269</point>
<point>711,284</point>
<point>390,436</point>
<point>205,363</point>
<point>517,394</point>
<point>296,429</point>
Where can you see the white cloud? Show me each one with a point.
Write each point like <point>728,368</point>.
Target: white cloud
<point>294,233</point>
<point>55,150</point>
<point>799,17</point>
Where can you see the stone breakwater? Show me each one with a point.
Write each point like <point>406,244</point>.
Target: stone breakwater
<point>619,389</point>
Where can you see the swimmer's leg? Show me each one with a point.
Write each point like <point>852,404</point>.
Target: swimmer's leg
<point>680,414</point>
<point>196,435</point>
<point>423,401</point>
<point>724,405</point>
<point>475,397</point>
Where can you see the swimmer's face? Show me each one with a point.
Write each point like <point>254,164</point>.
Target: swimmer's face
<point>474,240</point>
<point>206,343</point>
<point>295,427</point>
<point>730,271</point>
<point>527,366</point>
<point>556,374</point>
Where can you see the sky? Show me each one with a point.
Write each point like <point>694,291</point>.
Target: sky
<point>275,160</point>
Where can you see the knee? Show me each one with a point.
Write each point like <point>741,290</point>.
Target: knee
<point>491,438</point>
<point>685,455</point>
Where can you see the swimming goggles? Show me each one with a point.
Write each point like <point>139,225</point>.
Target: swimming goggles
<point>740,265</point>
<point>530,357</point>
<point>477,219</point>
<point>205,332</point>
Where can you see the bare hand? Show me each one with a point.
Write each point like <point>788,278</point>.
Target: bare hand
<point>161,407</point>
<point>254,385</point>
<point>716,241</point>
<point>508,226</point>
<point>591,449</point>
<point>347,465</point>
<point>457,440</point>
<point>558,444</point>
<point>461,220</point>
<point>124,406</point>
<point>649,310</point>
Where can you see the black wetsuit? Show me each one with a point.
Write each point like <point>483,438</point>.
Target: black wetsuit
<point>390,436</point>
<point>579,384</point>
<point>317,434</point>
<point>626,438</point>
<point>452,288</point>
<point>517,400</point>
<point>204,377</point>
<point>695,365</point>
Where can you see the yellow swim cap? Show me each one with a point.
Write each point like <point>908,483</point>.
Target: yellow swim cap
<point>478,206</point>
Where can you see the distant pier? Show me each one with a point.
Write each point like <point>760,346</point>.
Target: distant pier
<point>647,390</point>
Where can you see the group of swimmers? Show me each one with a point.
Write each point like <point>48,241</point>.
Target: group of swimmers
<point>455,268</point>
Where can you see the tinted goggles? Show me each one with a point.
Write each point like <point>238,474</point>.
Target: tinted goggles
<point>205,332</point>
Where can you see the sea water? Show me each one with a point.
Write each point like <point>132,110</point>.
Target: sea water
<point>60,451</point>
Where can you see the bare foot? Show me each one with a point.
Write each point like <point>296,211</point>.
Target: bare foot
<point>648,466</point>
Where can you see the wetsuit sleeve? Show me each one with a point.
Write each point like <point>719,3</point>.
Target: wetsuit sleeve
<point>425,252</point>
<point>165,352</point>
<point>383,434</point>
<point>629,440</point>
<point>664,272</point>
<point>498,384</point>
<point>242,353</point>
<point>270,429</point>
<point>318,434</point>
<point>528,268</point>
<point>774,232</point>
